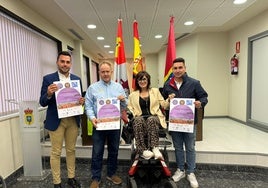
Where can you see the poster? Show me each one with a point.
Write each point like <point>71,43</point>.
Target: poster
<point>181,115</point>
<point>67,98</point>
<point>108,114</point>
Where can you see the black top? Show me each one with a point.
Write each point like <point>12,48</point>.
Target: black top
<point>145,106</point>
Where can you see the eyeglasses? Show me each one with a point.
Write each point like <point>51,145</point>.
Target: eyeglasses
<point>142,80</point>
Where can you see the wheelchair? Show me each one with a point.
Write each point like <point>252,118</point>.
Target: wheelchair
<point>151,172</point>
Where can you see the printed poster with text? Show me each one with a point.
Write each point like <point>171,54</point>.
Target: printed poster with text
<point>181,115</point>
<point>108,114</point>
<point>67,98</point>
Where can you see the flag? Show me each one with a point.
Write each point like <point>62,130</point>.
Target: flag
<point>137,59</point>
<point>171,51</point>
<point>120,70</point>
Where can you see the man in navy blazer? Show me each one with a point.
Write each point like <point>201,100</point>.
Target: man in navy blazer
<point>64,129</point>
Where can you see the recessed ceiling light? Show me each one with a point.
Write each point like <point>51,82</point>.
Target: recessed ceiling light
<point>107,46</point>
<point>111,52</point>
<point>91,26</point>
<point>238,2</point>
<point>189,23</point>
<point>100,38</point>
<point>158,36</point>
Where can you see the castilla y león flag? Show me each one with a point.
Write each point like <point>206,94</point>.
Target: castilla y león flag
<point>120,70</point>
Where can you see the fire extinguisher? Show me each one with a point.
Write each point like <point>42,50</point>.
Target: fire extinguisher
<point>234,65</point>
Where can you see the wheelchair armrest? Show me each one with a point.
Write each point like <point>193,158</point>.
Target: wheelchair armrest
<point>162,132</point>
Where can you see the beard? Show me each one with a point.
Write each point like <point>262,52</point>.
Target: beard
<point>64,70</point>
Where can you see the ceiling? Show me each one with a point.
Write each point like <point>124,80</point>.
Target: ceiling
<point>152,16</point>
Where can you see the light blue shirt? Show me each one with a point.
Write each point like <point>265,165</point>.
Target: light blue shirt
<point>102,90</point>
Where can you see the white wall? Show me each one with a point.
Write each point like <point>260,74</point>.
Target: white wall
<point>213,70</point>
<point>238,84</point>
<point>208,59</point>
<point>10,146</point>
<point>151,67</point>
<point>205,59</point>
<point>186,48</point>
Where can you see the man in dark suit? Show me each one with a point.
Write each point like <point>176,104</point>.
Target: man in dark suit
<point>64,129</point>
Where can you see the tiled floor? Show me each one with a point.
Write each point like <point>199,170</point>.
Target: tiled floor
<point>230,155</point>
<point>207,178</point>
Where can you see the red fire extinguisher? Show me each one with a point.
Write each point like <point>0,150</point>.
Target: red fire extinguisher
<point>234,64</point>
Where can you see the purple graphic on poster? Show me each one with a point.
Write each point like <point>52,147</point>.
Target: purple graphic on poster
<point>108,110</point>
<point>108,114</point>
<point>67,98</point>
<point>67,95</point>
<point>181,115</point>
<point>182,112</point>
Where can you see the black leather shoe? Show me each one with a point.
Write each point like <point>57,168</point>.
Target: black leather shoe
<point>73,183</point>
<point>57,185</point>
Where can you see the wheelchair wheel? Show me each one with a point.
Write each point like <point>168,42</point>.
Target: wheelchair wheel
<point>165,155</point>
<point>168,183</point>
<point>2,182</point>
<point>132,182</point>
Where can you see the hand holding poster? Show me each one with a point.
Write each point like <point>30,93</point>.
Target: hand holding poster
<point>67,98</point>
<point>181,115</point>
<point>108,114</point>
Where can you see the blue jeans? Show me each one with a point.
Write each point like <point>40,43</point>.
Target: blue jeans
<point>99,139</point>
<point>188,140</point>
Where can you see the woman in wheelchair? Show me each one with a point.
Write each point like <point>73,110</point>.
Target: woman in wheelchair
<point>145,104</point>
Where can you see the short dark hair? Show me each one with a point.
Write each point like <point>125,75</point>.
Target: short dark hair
<point>139,76</point>
<point>179,59</point>
<point>66,53</point>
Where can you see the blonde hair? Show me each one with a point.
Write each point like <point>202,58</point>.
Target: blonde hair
<point>105,63</point>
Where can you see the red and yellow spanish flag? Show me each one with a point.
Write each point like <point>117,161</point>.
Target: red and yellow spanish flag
<point>137,58</point>
<point>120,70</point>
<point>171,51</point>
